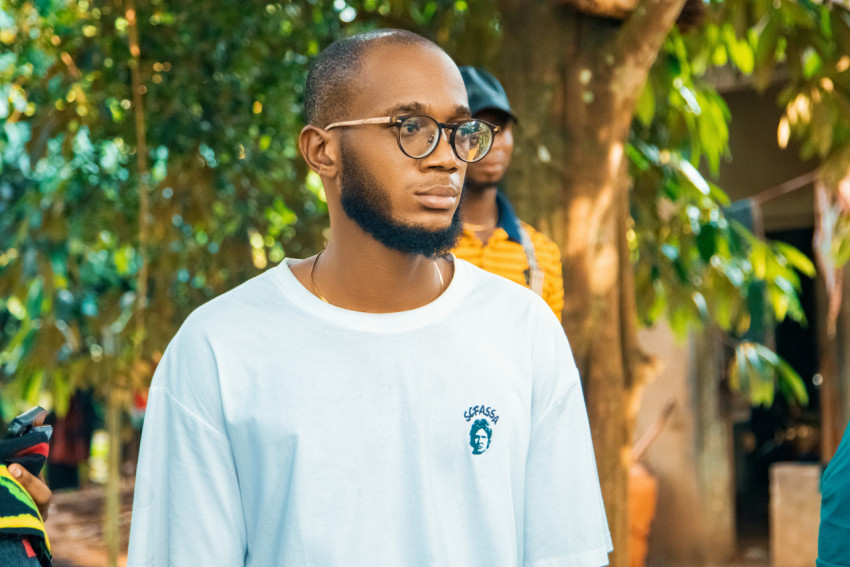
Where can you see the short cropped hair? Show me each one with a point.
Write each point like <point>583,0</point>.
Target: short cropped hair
<point>477,425</point>
<point>331,82</point>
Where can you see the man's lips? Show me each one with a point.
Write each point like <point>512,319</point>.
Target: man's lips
<point>489,167</point>
<point>439,197</point>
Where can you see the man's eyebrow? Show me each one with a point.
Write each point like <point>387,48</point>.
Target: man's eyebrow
<point>406,108</point>
<point>460,111</point>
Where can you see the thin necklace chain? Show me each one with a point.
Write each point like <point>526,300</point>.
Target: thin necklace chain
<point>322,297</point>
<point>479,227</point>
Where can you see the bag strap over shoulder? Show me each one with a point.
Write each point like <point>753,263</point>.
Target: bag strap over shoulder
<point>535,277</point>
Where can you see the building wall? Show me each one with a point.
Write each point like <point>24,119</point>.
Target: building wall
<point>759,164</point>
<point>692,458</point>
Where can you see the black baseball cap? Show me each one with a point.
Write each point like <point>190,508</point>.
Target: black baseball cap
<point>485,92</point>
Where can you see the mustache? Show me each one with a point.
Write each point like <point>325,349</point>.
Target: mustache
<point>430,183</point>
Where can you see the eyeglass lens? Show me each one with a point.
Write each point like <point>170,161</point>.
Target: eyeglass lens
<point>419,135</point>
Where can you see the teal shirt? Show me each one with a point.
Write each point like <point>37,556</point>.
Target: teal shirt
<point>834,536</point>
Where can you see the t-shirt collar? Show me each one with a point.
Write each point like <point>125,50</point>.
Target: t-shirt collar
<point>508,221</point>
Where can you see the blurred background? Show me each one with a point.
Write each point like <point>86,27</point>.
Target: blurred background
<point>691,158</point>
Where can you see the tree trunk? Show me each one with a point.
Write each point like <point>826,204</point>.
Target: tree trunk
<point>573,81</point>
<point>830,286</point>
<point>113,480</point>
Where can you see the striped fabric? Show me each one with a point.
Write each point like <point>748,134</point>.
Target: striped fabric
<point>505,256</point>
<point>21,526</point>
<point>28,450</point>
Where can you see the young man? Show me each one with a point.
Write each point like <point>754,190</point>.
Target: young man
<point>320,413</point>
<point>493,237</point>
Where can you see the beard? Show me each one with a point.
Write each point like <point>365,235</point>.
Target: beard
<point>367,203</point>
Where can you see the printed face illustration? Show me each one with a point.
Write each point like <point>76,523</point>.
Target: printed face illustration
<point>479,436</point>
<point>480,441</point>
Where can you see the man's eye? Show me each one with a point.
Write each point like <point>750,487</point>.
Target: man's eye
<point>410,127</point>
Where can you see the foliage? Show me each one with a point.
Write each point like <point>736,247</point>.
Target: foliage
<point>693,264</point>
<point>229,193</point>
<point>805,47</point>
<point>759,372</point>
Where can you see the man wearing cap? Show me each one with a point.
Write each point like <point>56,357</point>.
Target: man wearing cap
<point>493,237</point>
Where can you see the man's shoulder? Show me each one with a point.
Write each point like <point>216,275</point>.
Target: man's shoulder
<point>499,290</point>
<point>479,278</point>
<point>253,296</point>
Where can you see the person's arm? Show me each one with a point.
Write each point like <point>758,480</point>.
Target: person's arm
<point>35,486</point>
<point>565,523</point>
<point>187,508</point>
<point>834,531</point>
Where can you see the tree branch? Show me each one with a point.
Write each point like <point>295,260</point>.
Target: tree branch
<point>638,43</point>
<point>144,174</point>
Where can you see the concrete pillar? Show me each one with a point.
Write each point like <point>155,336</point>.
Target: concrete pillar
<point>794,514</point>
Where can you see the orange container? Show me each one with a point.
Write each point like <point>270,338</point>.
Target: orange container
<point>643,496</point>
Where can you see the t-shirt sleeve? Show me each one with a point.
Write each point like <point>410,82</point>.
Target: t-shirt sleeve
<point>187,508</point>
<point>565,522</point>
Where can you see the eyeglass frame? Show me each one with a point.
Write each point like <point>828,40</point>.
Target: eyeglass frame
<point>441,126</point>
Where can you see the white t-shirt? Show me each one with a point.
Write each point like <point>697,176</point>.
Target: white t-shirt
<point>282,430</point>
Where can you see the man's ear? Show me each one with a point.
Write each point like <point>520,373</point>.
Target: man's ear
<point>320,150</point>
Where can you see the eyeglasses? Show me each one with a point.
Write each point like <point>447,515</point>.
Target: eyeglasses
<point>419,134</point>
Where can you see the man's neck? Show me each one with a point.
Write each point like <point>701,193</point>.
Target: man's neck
<point>478,206</point>
<point>358,273</point>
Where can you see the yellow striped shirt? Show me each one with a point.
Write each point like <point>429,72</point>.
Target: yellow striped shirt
<point>504,255</point>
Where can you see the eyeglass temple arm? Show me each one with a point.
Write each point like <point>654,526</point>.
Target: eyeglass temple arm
<point>383,120</point>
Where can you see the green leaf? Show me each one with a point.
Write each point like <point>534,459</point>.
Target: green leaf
<point>740,52</point>
<point>779,302</point>
<point>822,126</point>
<point>718,195</point>
<point>645,110</point>
<point>693,175</point>
<point>765,53</point>
<point>33,387</point>
<point>796,258</point>
<point>792,383</point>
<point>35,294</point>
<point>741,370</point>
<point>706,242</point>
<point>812,63</point>
<point>701,305</point>
<point>755,305</point>
<point>637,158</point>
<point>761,376</point>
<point>62,392</point>
<point>734,275</point>
<point>758,260</point>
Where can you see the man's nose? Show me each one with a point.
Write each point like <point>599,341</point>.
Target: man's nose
<point>443,155</point>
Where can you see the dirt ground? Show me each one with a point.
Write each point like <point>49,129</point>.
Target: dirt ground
<point>75,526</point>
